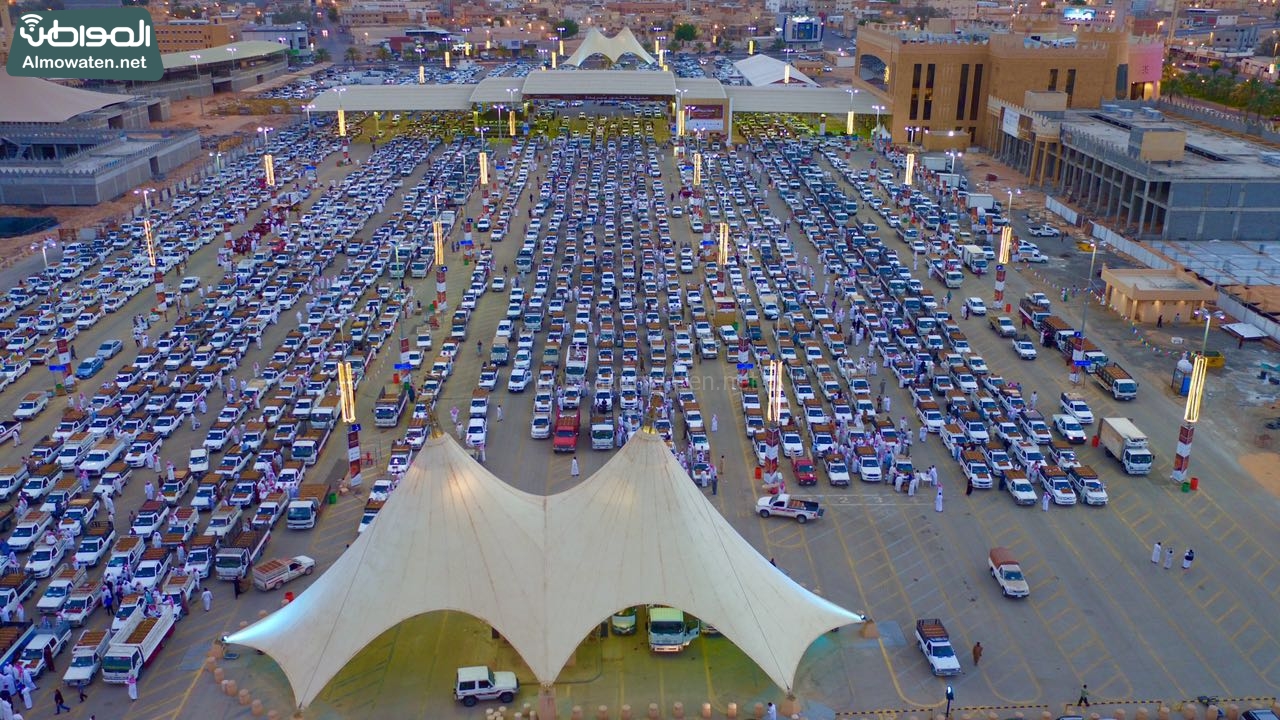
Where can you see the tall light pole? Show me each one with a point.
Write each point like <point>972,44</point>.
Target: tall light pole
<point>1209,316</point>
<point>951,695</point>
<point>1190,415</point>
<point>877,108</point>
<point>264,130</point>
<point>1088,287</point>
<point>199,93</point>
<point>44,246</point>
<point>307,109</point>
<point>342,115</point>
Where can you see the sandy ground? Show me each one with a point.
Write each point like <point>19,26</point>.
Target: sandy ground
<point>185,114</point>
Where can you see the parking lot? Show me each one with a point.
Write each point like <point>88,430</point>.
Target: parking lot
<point>605,249</point>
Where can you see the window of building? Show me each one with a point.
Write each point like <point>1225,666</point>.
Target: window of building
<point>963,91</point>
<point>928,91</point>
<point>1071,85</point>
<point>915,90</point>
<point>977,92</point>
<point>1053,80</point>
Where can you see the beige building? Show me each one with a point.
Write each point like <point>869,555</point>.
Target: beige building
<point>945,85</point>
<point>183,35</point>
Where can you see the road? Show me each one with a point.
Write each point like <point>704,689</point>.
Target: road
<point>1099,611</point>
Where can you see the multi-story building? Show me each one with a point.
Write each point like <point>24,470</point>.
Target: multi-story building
<point>943,84</point>
<point>1133,169</point>
<point>296,36</point>
<point>183,35</point>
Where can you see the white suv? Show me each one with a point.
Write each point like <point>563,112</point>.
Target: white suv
<point>480,683</point>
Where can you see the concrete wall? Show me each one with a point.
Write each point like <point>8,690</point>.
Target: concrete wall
<point>61,186</point>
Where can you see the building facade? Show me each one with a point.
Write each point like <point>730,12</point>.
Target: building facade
<point>185,35</point>
<point>941,82</point>
<point>1131,168</point>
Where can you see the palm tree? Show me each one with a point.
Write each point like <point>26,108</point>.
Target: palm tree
<point>323,55</point>
<point>383,54</point>
<point>352,55</point>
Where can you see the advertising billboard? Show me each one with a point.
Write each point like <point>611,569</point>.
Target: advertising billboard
<point>704,118</point>
<point>802,29</point>
<point>1079,14</point>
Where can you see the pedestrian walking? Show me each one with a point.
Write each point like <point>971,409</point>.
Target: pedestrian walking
<point>937,500</point>
<point>59,703</point>
<point>132,684</point>
<point>235,585</point>
<point>1035,397</point>
<point>924,434</point>
<point>771,712</point>
<point>573,467</point>
<point>1155,553</point>
<point>1044,502</point>
<point>499,412</point>
<point>977,653</point>
<point>83,695</point>
<point>1084,696</point>
<point>1168,558</point>
<point>715,423</point>
<point>1188,558</point>
<point>206,599</point>
<point>968,487</point>
<point>715,481</point>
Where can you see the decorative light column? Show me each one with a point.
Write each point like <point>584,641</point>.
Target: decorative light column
<point>1002,259</point>
<point>1190,415</point>
<point>772,433</point>
<point>347,404</point>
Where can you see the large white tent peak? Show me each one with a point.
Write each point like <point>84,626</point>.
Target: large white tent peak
<point>611,47</point>
<point>543,571</point>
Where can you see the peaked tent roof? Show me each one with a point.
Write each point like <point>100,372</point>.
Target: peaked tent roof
<point>764,70</point>
<point>611,47</point>
<point>32,100</point>
<point>639,512</point>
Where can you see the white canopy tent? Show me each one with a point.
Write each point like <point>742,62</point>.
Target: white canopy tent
<point>637,532</point>
<point>611,47</point>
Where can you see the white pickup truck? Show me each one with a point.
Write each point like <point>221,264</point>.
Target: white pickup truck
<point>783,505</point>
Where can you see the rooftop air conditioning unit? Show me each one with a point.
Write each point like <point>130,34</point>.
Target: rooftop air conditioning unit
<point>1110,108</point>
<point>1152,114</point>
<point>1125,113</point>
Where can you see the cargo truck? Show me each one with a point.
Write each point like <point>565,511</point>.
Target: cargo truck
<point>935,643</point>
<point>233,561</point>
<point>974,258</point>
<point>1117,381</point>
<point>1122,440</point>
<point>565,436</point>
<point>304,511</point>
<point>601,432</point>
<point>13,637</point>
<point>15,587</point>
<point>669,631</point>
<point>272,574</point>
<point>1008,573</point>
<point>86,656</point>
<point>389,407</point>
<point>130,652</point>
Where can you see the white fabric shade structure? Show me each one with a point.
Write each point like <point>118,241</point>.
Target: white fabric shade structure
<point>543,571</point>
<point>611,47</point>
<point>764,70</point>
<point>32,100</point>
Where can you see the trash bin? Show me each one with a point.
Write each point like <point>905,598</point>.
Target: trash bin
<point>1195,483</point>
<point>758,474</point>
<point>1186,486</point>
<point>288,596</point>
<point>333,498</point>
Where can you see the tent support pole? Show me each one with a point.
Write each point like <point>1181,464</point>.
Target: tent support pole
<point>547,702</point>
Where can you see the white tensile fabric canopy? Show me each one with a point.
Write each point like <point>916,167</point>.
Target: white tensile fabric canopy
<point>32,100</point>
<point>543,571</point>
<point>611,47</point>
<point>764,70</point>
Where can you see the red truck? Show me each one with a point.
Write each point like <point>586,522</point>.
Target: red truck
<point>565,435</point>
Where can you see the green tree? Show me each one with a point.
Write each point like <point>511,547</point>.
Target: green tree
<point>778,44</point>
<point>352,55</point>
<point>291,14</point>
<point>567,28</point>
<point>323,55</point>
<point>686,32</point>
<point>332,13</point>
<point>383,54</point>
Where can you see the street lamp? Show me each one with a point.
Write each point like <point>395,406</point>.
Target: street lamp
<point>199,93</point>
<point>307,109</point>
<point>44,246</point>
<point>145,193</point>
<point>1209,316</point>
<point>1088,290</point>
<point>951,695</point>
<point>877,108</point>
<point>264,130</point>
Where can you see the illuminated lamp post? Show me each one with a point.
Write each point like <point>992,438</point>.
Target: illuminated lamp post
<point>773,417</point>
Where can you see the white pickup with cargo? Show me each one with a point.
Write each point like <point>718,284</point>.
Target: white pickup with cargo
<point>87,654</point>
<point>935,643</point>
<point>132,651</point>
<point>1122,440</point>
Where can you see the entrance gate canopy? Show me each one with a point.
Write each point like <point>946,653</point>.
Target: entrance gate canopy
<point>544,571</point>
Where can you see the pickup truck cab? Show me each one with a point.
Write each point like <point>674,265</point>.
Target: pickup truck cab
<point>783,505</point>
